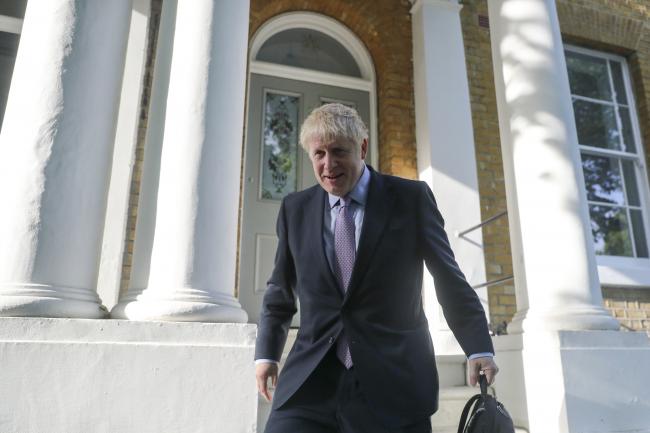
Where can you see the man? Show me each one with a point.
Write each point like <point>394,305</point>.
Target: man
<point>351,249</point>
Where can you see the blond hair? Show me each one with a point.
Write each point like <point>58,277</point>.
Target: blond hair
<point>332,122</point>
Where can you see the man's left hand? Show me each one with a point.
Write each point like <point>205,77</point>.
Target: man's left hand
<point>483,364</point>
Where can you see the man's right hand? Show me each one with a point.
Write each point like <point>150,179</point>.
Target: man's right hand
<point>263,372</point>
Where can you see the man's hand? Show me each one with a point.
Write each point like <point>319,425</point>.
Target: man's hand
<point>483,364</point>
<point>263,372</point>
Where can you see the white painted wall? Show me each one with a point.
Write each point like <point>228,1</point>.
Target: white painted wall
<point>575,381</point>
<point>83,376</point>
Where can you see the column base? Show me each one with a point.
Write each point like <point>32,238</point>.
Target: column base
<point>190,306</point>
<point>44,300</point>
<point>588,318</point>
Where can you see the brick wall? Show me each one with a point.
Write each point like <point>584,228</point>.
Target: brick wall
<point>630,306</point>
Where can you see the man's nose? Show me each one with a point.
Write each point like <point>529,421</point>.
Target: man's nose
<point>329,161</point>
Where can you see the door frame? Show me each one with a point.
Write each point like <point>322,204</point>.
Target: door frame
<point>335,30</point>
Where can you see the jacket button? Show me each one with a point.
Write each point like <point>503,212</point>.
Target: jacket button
<point>331,340</point>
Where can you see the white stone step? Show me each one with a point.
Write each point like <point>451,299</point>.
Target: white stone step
<point>451,370</point>
<point>450,406</point>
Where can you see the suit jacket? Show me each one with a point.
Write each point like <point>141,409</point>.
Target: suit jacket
<point>381,311</point>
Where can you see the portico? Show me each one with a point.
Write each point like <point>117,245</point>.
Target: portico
<point>68,162</point>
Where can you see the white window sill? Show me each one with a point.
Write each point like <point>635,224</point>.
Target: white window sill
<point>623,271</point>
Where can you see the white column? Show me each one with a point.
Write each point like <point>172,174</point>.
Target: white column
<point>193,260</point>
<point>553,255</point>
<point>55,156</point>
<point>445,145</point>
<point>146,212</point>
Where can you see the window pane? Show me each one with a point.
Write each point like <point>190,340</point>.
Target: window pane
<point>640,241</point>
<point>588,76</point>
<point>602,179</point>
<point>628,133</point>
<point>596,125</point>
<point>309,49</point>
<point>630,183</point>
<point>617,78</point>
<point>610,229</point>
<point>13,8</point>
<point>8,49</point>
<point>280,145</point>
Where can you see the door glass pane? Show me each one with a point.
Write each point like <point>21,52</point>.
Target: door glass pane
<point>639,233</point>
<point>628,134</point>
<point>617,78</point>
<point>280,145</point>
<point>630,183</point>
<point>13,8</point>
<point>596,125</point>
<point>588,76</point>
<point>602,179</point>
<point>610,230</point>
<point>8,49</point>
<point>309,49</point>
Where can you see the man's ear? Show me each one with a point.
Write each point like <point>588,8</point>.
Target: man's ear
<point>364,148</point>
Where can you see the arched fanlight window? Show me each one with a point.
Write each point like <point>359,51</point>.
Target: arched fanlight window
<point>308,49</point>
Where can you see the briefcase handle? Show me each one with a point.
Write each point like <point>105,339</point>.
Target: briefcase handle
<point>476,400</point>
<point>482,381</point>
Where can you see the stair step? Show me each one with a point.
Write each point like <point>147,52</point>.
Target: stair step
<point>451,370</point>
<point>451,403</point>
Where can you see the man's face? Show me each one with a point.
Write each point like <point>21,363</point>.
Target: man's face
<point>337,164</point>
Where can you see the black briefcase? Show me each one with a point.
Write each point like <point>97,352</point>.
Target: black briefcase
<point>484,414</point>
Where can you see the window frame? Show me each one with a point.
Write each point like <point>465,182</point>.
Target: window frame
<point>620,270</point>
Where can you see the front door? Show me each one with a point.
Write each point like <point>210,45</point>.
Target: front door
<point>274,166</point>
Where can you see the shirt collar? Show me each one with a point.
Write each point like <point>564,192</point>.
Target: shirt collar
<point>359,193</point>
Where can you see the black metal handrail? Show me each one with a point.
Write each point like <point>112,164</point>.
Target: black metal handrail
<point>477,226</point>
<point>493,282</point>
<point>481,224</point>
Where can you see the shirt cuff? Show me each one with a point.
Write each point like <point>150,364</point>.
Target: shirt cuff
<point>265,361</point>
<point>480,355</point>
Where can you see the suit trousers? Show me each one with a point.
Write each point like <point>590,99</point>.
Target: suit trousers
<point>331,401</point>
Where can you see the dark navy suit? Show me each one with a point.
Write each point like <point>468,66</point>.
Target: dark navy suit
<point>381,311</point>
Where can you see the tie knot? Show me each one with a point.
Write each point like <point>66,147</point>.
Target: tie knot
<point>345,201</point>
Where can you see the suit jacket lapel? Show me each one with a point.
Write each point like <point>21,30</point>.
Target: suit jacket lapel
<point>316,212</point>
<point>377,214</point>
